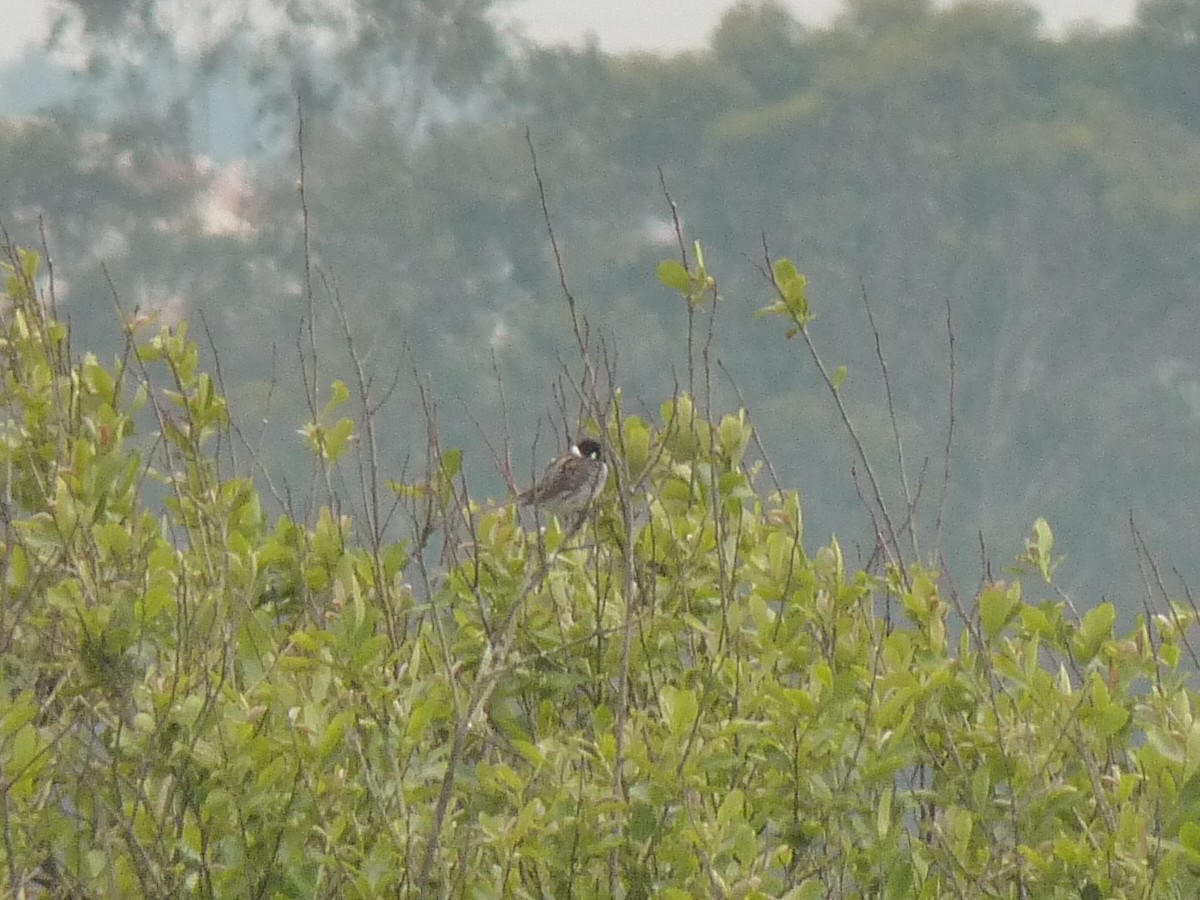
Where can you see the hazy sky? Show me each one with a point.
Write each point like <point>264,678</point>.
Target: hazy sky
<point>618,24</point>
<point>680,24</point>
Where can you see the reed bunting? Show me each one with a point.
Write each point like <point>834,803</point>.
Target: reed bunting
<point>571,482</point>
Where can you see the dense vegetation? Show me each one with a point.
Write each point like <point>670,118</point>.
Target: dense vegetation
<point>677,701</point>
<point>262,632</point>
<point>1044,188</point>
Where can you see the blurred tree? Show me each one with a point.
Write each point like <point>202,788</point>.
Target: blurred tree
<point>1045,187</point>
<point>870,18</point>
<point>1171,24</point>
<point>761,41</point>
<point>1166,59</point>
<point>411,57</point>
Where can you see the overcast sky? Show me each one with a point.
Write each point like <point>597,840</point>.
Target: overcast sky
<point>667,25</point>
<point>681,24</point>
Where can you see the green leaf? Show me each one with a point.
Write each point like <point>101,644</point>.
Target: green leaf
<point>1043,537</point>
<point>732,809</point>
<point>111,538</point>
<point>18,567</point>
<point>643,820</point>
<point>98,379</point>
<point>785,270</point>
<point>672,274</point>
<point>395,558</point>
<point>679,708</point>
<point>21,712</point>
<point>339,394</point>
<point>733,434</point>
<point>997,606</point>
<point>419,719</point>
<point>452,462</point>
<point>636,442</point>
<point>1189,837</point>
<point>334,735</point>
<point>416,491</point>
<point>1109,721</point>
<point>1094,630</point>
<point>883,815</point>
<point>25,759</point>
<point>30,260</point>
<point>336,437</point>
<point>839,376</point>
<point>150,353</point>
<point>1039,550</point>
<point>778,308</point>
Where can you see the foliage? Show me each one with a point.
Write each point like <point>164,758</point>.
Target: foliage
<point>169,58</point>
<point>678,701</point>
<point>923,155</point>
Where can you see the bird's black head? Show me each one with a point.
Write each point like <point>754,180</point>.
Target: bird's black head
<point>588,448</point>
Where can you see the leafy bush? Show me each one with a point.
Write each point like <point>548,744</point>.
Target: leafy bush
<point>676,701</point>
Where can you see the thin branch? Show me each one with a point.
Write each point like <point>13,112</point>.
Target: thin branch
<point>580,338</point>
<point>52,290</point>
<point>1144,554</point>
<point>948,454</point>
<point>891,407</point>
<point>683,258</point>
<point>755,435</point>
<point>892,544</point>
<point>216,355</point>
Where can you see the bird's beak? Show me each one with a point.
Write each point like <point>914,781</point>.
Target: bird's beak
<point>575,451</point>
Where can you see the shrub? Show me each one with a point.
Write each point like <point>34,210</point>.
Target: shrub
<point>677,700</point>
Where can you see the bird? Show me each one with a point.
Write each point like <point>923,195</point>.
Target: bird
<point>571,482</point>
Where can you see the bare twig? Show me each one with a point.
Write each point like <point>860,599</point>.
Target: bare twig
<point>755,435</point>
<point>1144,553</point>
<point>50,283</point>
<point>948,454</point>
<point>891,545</point>
<point>576,322</point>
<point>891,407</point>
<point>683,258</point>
